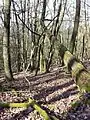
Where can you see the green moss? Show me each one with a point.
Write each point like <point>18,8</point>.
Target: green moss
<point>67,57</point>
<point>78,71</point>
<point>18,105</point>
<point>39,109</point>
<point>51,106</point>
<point>75,104</point>
<point>83,81</point>
<point>76,68</point>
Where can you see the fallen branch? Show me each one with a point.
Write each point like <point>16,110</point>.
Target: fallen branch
<point>17,105</point>
<point>39,109</point>
<point>32,103</point>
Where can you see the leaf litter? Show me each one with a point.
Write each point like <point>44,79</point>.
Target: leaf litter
<point>54,92</point>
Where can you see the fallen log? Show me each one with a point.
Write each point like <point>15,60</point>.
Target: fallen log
<point>15,105</point>
<point>32,103</point>
<point>76,68</point>
<point>39,109</point>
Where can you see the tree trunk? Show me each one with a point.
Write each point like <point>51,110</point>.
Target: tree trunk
<point>54,34</point>
<point>85,32</point>
<point>18,41</point>
<point>83,47</point>
<point>6,40</point>
<point>23,37</point>
<point>34,39</point>
<point>42,57</point>
<point>76,24</point>
<point>78,71</point>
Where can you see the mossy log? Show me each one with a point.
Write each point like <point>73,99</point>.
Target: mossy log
<point>13,105</point>
<point>39,109</point>
<point>76,68</point>
<point>16,105</point>
<point>32,103</point>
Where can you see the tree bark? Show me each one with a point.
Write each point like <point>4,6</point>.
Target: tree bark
<point>18,41</point>
<point>42,57</point>
<point>6,40</point>
<point>76,25</point>
<point>52,38</point>
<point>34,39</point>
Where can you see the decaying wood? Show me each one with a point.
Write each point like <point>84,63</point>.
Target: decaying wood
<point>77,69</point>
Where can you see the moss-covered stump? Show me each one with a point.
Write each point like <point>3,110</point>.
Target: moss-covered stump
<point>76,68</point>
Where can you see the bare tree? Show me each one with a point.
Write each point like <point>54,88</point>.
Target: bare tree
<point>6,40</point>
<point>18,41</point>
<point>42,57</point>
<point>76,25</point>
<point>53,37</point>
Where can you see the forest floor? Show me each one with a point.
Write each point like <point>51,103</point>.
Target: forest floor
<point>55,92</point>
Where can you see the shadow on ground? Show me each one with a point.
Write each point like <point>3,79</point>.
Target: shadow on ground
<point>55,86</point>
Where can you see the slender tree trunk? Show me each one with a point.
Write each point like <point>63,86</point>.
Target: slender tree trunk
<point>83,47</point>
<point>24,41</point>
<point>23,8</point>
<point>34,40</point>
<point>42,57</point>
<point>85,32</point>
<point>62,16</point>
<point>76,25</point>
<point>43,13</point>
<point>6,40</point>
<point>38,62</point>
<point>52,38</point>
<point>18,41</point>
